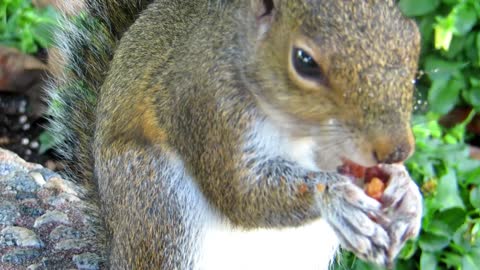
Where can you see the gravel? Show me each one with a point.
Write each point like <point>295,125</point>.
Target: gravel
<point>45,222</point>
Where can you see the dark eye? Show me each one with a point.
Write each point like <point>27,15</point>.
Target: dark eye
<point>304,64</point>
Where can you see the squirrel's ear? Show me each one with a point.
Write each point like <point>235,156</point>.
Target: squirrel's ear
<point>263,11</point>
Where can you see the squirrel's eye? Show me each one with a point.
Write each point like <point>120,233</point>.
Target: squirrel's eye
<point>304,64</point>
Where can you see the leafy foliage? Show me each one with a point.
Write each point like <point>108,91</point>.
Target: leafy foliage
<point>450,53</point>
<point>450,184</point>
<point>449,179</point>
<point>24,27</point>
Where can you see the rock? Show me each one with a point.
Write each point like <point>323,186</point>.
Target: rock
<point>62,199</point>
<point>38,177</point>
<point>71,244</point>
<point>9,212</point>
<point>46,173</point>
<point>31,211</point>
<point>45,220</point>
<point>64,232</point>
<point>22,182</point>
<point>20,237</point>
<point>25,196</point>
<point>51,217</point>
<point>60,185</point>
<point>6,169</point>
<point>87,261</point>
<point>20,256</point>
<point>37,266</point>
<point>14,163</point>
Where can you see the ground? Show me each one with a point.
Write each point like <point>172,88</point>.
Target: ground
<point>22,105</point>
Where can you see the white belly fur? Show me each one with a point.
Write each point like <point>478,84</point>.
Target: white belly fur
<point>312,246</point>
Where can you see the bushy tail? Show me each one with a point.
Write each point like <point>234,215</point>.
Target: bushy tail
<point>85,46</point>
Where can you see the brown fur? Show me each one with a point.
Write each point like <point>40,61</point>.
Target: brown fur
<point>188,80</point>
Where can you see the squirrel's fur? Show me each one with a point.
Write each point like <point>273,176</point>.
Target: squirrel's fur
<point>188,116</point>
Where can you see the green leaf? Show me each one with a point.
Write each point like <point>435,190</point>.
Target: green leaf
<point>452,259</point>
<point>443,37</point>
<point>406,264</point>
<point>408,250</point>
<point>444,95</point>
<point>463,237</point>
<point>413,8</point>
<point>25,27</point>
<point>469,165</point>
<point>470,51</point>
<point>43,34</point>
<point>452,153</point>
<point>428,261</point>
<point>347,261</point>
<point>457,45</point>
<point>465,19</point>
<point>471,262</point>
<point>448,195</point>
<point>450,2</point>
<point>472,96</point>
<point>470,171</point>
<point>432,242</point>
<point>478,47</point>
<point>447,222</point>
<point>425,24</point>
<point>475,197</point>
<point>47,141</point>
<point>440,69</point>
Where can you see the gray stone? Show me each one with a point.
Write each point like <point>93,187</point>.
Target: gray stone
<point>6,168</point>
<point>87,261</point>
<point>57,263</point>
<point>9,212</point>
<point>31,211</point>
<point>64,232</point>
<point>21,237</point>
<point>61,199</point>
<point>37,266</point>
<point>28,196</point>
<point>23,182</point>
<point>46,173</point>
<point>71,244</point>
<point>38,178</point>
<point>51,217</point>
<point>20,196</point>
<point>20,256</point>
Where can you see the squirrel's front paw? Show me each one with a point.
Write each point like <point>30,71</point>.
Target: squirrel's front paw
<point>402,205</point>
<point>358,221</point>
<point>375,230</point>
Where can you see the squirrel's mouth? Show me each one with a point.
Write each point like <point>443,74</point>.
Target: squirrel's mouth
<point>372,179</point>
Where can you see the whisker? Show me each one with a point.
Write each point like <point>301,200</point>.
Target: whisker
<point>334,143</point>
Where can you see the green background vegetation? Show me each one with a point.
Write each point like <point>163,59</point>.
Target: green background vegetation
<point>24,27</point>
<point>449,77</point>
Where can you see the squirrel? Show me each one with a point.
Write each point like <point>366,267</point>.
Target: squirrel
<point>210,131</point>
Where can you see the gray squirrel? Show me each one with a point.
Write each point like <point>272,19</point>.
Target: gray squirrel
<point>209,131</point>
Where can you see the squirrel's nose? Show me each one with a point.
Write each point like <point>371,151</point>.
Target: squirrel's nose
<point>398,154</point>
<point>393,150</point>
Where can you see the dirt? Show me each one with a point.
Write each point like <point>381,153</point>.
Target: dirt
<point>22,106</point>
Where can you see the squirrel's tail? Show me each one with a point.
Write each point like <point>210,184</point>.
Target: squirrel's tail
<point>85,46</point>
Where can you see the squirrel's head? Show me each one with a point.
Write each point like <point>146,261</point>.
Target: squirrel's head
<point>341,72</point>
